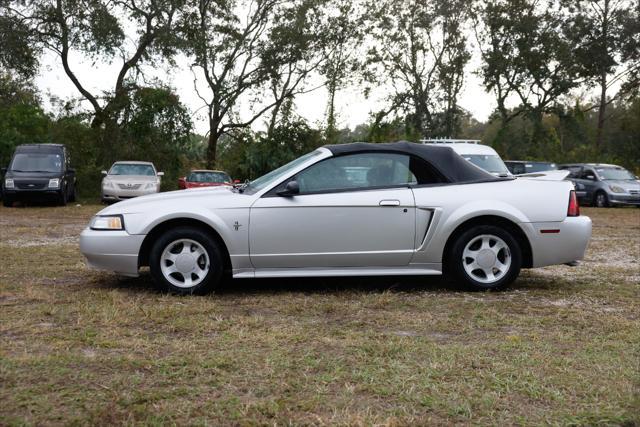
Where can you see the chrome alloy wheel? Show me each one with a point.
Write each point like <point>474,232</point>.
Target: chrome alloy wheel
<point>486,258</point>
<point>184,263</point>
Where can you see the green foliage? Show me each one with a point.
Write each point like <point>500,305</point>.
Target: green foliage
<point>22,120</point>
<point>156,127</point>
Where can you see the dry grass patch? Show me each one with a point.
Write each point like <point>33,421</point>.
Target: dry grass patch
<point>85,347</point>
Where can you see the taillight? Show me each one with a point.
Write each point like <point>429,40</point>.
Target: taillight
<point>574,207</point>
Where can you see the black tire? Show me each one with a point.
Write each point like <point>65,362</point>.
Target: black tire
<point>74,194</point>
<point>62,197</point>
<point>601,200</point>
<point>212,249</point>
<point>7,202</point>
<point>455,263</point>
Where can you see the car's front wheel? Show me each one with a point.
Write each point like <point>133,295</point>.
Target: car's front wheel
<point>186,260</point>
<point>485,257</point>
<point>601,200</point>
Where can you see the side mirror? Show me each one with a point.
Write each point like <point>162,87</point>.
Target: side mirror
<point>104,173</point>
<point>160,173</point>
<point>291,189</point>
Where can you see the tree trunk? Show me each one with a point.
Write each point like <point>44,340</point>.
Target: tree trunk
<point>212,146</point>
<point>331,133</point>
<point>602,110</point>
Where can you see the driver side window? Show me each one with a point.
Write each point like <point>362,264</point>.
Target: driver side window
<point>357,171</point>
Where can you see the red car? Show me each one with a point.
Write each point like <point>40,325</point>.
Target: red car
<point>204,178</point>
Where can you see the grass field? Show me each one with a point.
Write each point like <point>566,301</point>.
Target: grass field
<point>77,346</point>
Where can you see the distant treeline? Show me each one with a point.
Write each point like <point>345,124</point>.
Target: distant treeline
<point>540,60</point>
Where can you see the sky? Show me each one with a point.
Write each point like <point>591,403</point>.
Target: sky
<point>353,107</point>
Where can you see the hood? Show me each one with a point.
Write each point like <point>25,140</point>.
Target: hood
<point>214,196</point>
<point>627,184</point>
<point>551,175</point>
<point>132,178</point>
<point>35,175</point>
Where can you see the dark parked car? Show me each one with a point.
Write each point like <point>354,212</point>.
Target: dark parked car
<point>519,167</point>
<point>603,185</point>
<point>39,172</point>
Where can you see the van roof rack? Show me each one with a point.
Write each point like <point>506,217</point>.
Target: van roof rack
<point>449,141</point>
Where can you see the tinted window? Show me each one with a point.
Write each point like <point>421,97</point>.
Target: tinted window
<point>37,162</point>
<point>132,169</point>
<point>587,172</point>
<point>516,168</point>
<point>540,167</point>
<point>216,177</point>
<point>574,171</point>
<point>490,163</point>
<point>357,171</point>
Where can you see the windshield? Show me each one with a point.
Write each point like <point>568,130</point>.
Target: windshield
<point>132,169</point>
<point>259,183</point>
<point>36,162</point>
<point>217,177</point>
<point>490,163</point>
<point>615,174</point>
<point>540,167</point>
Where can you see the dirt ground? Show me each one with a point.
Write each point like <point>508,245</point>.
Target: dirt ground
<point>78,346</point>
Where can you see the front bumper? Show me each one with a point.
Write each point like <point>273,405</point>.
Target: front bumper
<point>40,194</point>
<point>624,199</point>
<point>115,251</point>
<point>558,242</point>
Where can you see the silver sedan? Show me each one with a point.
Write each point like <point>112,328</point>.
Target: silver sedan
<point>347,210</point>
<point>126,180</point>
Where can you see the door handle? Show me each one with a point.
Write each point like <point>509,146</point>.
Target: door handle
<point>389,203</point>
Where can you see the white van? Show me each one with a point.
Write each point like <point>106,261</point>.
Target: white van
<point>480,155</point>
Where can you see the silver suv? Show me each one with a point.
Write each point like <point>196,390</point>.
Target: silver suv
<point>130,179</point>
<point>603,185</point>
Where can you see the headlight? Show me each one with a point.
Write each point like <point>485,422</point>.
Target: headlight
<point>8,183</point>
<point>616,189</point>
<point>54,183</point>
<point>107,222</point>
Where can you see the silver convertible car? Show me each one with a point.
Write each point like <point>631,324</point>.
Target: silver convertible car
<point>346,210</point>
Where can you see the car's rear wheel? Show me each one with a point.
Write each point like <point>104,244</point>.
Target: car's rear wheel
<point>186,260</point>
<point>601,200</point>
<point>485,257</point>
<point>74,194</point>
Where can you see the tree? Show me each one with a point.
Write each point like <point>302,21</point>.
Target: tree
<point>156,127</point>
<point>243,48</point>
<point>96,29</point>
<point>419,48</point>
<point>526,55</point>
<point>607,38</point>
<point>342,35</point>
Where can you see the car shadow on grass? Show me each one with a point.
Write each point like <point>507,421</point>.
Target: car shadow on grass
<point>322,285</point>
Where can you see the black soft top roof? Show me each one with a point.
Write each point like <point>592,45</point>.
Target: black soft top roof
<point>446,161</point>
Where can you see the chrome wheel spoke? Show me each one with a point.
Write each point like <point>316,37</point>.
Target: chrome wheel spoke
<point>184,263</point>
<point>171,269</point>
<point>486,258</point>
<point>198,252</point>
